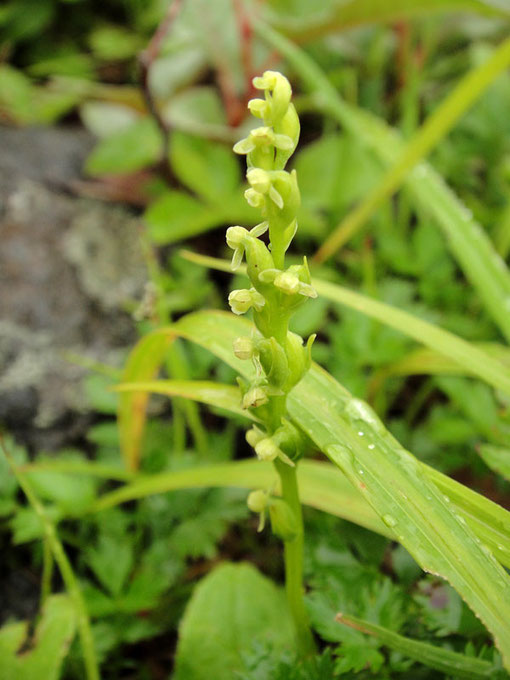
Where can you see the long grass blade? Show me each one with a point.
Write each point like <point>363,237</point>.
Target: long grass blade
<point>444,660</point>
<point>475,361</point>
<point>438,124</point>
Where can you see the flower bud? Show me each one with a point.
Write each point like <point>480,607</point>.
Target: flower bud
<point>235,236</point>
<point>254,436</point>
<point>242,299</point>
<point>288,283</point>
<point>259,108</point>
<point>267,450</point>
<point>254,198</point>
<point>257,501</point>
<point>243,347</point>
<point>255,397</point>
<point>259,179</point>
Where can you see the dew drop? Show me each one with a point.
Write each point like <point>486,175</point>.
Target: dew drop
<point>389,520</point>
<point>361,434</point>
<point>371,447</point>
<point>357,409</point>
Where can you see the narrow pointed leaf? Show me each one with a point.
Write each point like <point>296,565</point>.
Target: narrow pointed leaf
<point>444,660</point>
<point>226,397</point>
<point>484,361</point>
<point>143,363</point>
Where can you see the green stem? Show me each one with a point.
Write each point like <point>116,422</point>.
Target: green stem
<point>68,576</point>
<point>47,571</point>
<point>293,554</point>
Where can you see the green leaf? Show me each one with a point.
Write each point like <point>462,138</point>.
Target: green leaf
<point>304,21</point>
<point>144,361</point>
<point>199,110</point>
<point>175,216</point>
<point>126,151</point>
<point>111,560</point>
<point>214,394</point>
<point>207,168</point>
<point>389,477</point>
<point>443,660</point>
<point>43,658</point>
<point>71,494</point>
<point>232,609</point>
<point>497,458</point>
<point>473,359</point>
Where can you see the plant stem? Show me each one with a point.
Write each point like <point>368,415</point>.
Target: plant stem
<point>47,572</point>
<point>66,570</point>
<point>293,554</point>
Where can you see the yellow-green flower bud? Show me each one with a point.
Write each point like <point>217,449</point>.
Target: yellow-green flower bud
<point>254,436</point>
<point>281,91</point>
<point>242,299</point>
<point>267,450</point>
<point>236,236</point>
<point>243,347</point>
<point>287,282</point>
<point>254,198</point>
<point>259,180</point>
<point>255,397</point>
<point>257,501</point>
<point>259,108</point>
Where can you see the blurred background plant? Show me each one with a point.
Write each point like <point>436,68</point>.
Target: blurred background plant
<point>162,88</point>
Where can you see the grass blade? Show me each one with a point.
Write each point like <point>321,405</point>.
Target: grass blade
<point>497,458</point>
<point>437,125</point>
<point>474,360</point>
<point>353,13</point>
<point>143,363</point>
<point>470,245</point>
<point>213,394</point>
<point>444,660</point>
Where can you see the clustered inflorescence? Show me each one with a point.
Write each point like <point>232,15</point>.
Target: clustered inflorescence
<point>280,357</point>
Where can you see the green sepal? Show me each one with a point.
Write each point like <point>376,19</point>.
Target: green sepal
<point>274,362</point>
<point>283,520</point>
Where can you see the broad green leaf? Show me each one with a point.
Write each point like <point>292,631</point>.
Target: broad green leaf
<point>175,216</point>
<point>199,111</point>
<point>207,168</point>
<point>232,609</point>
<point>444,660</point>
<point>497,458</point>
<point>53,635</point>
<point>214,394</point>
<point>484,363</point>
<point>303,20</point>
<point>469,244</point>
<point>389,477</point>
<point>69,493</point>
<point>144,361</point>
<point>131,149</point>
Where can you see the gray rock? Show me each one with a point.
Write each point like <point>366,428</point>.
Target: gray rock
<point>70,268</point>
